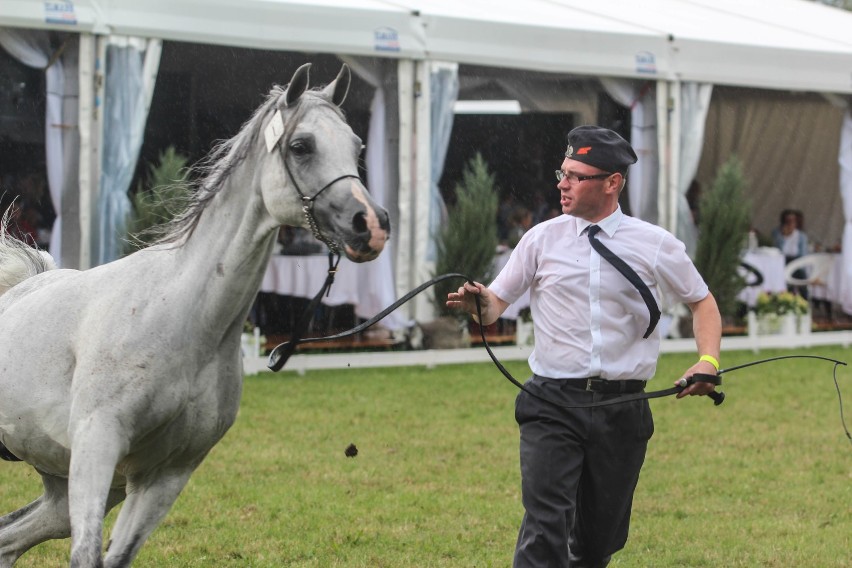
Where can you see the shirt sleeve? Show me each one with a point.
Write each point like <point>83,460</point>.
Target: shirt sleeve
<point>678,278</point>
<point>518,273</point>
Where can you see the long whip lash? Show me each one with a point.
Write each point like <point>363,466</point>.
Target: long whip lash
<point>279,356</point>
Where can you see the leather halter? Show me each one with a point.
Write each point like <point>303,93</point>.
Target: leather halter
<point>308,206</point>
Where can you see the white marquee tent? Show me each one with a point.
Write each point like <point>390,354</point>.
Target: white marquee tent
<point>785,44</point>
<point>683,46</point>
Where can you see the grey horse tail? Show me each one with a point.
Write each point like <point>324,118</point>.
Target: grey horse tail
<point>18,260</point>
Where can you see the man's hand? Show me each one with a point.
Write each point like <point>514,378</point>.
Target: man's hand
<point>699,388</point>
<point>465,299</point>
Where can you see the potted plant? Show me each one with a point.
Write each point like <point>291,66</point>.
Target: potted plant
<point>159,201</point>
<point>725,221</point>
<point>779,313</point>
<point>467,242</point>
<point>524,329</point>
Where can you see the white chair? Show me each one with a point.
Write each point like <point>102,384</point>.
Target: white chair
<point>817,267</point>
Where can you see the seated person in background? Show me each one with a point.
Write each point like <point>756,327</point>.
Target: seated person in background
<point>793,242</point>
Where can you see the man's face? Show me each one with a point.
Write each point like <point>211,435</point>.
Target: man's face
<point>591,199</point>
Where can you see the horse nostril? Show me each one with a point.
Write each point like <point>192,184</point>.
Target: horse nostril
<point>359,223</point>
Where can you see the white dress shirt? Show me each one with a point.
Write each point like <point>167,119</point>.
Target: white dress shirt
<point>588,318</point>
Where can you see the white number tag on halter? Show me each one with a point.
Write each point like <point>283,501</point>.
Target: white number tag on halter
<point>273,131</point>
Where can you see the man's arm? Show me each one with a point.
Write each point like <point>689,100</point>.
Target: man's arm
<point>707,328</point>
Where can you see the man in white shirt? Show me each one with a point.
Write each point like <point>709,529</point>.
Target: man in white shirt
<point>595,339</point>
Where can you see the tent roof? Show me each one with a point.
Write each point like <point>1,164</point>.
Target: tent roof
<point>540,35</point>
<point>355,27</point>
<point>782,44</point>
<point>785,44</point>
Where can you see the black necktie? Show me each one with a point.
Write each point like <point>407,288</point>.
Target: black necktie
<point>628,273</point>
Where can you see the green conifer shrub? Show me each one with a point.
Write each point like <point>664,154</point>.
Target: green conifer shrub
<point>468,241</point>
<point>164,198</point>
<point>725,220</point>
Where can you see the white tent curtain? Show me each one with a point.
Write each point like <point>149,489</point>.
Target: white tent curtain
<point>131,70</point>
<point>640,97</point>
<point>378,154</point>
<point>444,89</point>
<point>752,125</point>
<point>32,48</point>
<point>694,103</point>
<point>845,159</point>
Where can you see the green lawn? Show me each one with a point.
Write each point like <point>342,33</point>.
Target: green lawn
<point>763,480</point>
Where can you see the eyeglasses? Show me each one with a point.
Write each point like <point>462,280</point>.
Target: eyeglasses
<point>574,179</point>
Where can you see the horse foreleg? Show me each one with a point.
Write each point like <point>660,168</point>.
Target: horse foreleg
<point>44,519</point>
<point>95,451</point>
<point>148,501</point>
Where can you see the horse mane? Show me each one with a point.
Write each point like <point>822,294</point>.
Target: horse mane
<point>19,260</point>
<point>210,173</point>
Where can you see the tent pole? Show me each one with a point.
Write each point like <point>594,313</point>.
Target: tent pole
<point>422,267</point>
<point>663,153</point>
<point>675,127</point>
<point>91,75</point>
<point>405,230</point>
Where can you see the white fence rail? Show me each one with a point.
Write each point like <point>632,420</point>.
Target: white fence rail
<point>303,362</point>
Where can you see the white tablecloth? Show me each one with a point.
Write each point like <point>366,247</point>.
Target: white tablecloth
<point>354,283</point>
<point>770,262</point>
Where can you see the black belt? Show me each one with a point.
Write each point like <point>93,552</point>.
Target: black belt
<point>605,386</point>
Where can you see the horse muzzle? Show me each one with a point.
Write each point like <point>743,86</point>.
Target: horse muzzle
<point>370,232</point>
<point>357,224</point>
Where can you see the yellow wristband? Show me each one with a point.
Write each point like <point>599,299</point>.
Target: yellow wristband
<point>710,359</point>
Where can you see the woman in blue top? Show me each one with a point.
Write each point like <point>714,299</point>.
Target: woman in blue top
<point>793,242</point>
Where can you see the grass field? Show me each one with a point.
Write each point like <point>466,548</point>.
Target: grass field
<point>763,480</point>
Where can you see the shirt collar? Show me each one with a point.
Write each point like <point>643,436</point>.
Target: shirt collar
<point>608,224</point>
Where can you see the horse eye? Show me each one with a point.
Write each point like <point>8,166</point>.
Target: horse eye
<point>300,148</point>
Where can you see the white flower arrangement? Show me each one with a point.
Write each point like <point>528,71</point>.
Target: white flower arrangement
<point>780,303</point>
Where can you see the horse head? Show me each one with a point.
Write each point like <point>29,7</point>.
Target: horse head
<point>317,154</point>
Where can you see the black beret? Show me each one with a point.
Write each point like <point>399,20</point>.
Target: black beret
<point>601,148</point>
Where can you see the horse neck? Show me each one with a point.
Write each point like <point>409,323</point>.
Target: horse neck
<point>228,251</point>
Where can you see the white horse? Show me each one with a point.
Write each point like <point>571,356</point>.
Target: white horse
<point>116,382</point>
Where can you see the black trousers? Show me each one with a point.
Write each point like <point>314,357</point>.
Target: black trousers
<point>579,469</point>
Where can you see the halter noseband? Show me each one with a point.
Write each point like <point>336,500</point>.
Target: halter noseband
<point>308,205</point>
<point>272,134</point>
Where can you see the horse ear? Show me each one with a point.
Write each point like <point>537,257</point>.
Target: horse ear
<point>336,90</point>
<point>298,84</point>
